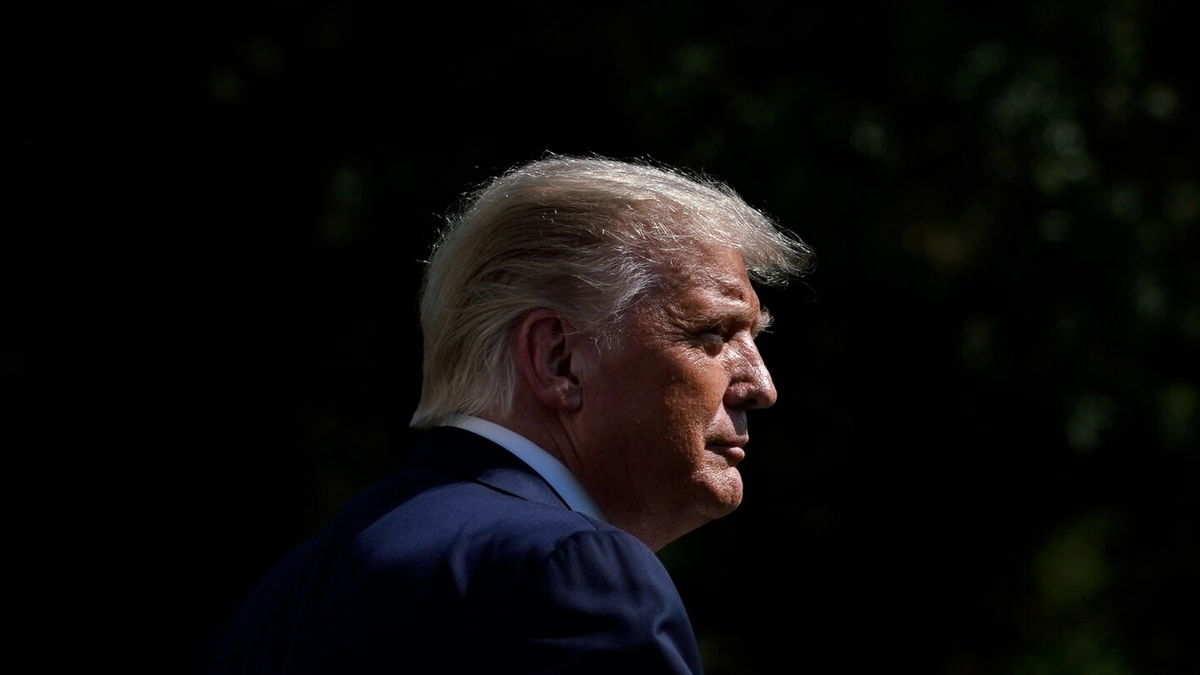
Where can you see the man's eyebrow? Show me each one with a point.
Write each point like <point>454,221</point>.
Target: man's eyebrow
<point>764,320</point>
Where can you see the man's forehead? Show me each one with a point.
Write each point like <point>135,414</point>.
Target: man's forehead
<point>706,274</point>
<point>708,265</point>
<point>735,305</point>
<point>713,292</point>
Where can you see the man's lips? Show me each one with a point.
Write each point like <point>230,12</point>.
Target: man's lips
<point>733,450</point>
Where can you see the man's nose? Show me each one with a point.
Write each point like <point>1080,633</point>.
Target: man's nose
<point>750,384</point>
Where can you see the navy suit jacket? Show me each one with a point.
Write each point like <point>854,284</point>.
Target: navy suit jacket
<point>465,561</point>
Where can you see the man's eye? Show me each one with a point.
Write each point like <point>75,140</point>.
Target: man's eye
<point>714,337</point>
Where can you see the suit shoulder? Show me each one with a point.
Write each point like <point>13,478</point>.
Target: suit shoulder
<point>469,519</point>
<point>600,602</point>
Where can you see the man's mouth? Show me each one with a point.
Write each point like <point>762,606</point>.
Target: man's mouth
<point>732,450</point>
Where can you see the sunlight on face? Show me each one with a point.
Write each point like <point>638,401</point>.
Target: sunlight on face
<point>667,406</point>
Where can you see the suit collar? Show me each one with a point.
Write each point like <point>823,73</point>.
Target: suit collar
<point>472,457</point>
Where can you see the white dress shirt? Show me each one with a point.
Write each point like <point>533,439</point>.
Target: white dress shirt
<point>546,465</point>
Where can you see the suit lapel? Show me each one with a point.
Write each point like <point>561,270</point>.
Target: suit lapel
<point>472,457</point>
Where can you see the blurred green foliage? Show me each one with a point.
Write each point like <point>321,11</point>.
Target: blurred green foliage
<point>985,455</point>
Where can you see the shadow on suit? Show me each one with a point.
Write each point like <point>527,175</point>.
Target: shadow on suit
<point>464,561</point>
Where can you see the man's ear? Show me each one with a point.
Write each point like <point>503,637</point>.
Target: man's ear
<point>547,361</point>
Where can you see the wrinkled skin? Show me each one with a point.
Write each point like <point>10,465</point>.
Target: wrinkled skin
<point>663,423</point>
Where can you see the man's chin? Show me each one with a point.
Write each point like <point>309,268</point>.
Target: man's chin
<point>727,493</point>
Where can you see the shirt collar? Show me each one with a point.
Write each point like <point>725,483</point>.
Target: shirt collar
<point>546,465</point>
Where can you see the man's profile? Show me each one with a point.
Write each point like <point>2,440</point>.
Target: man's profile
<point>589,363</point>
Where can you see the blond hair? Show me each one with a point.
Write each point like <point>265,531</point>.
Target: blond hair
<point>586,237</point>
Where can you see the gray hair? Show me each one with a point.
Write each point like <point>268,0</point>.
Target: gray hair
<point>585,237</point>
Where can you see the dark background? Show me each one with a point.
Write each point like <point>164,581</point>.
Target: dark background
<point>984,458</point>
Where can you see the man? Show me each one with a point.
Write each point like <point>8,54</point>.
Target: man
<point>589,362</point>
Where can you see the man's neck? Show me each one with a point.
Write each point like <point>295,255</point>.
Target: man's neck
<point>549,467</point>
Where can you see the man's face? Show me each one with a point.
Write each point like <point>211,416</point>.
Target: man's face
<point>666,408</point>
